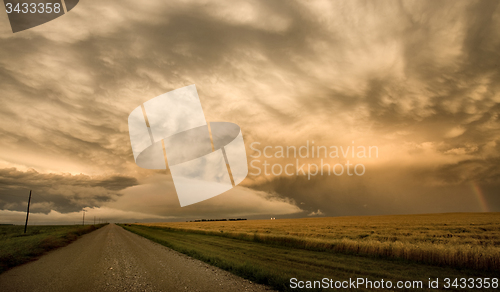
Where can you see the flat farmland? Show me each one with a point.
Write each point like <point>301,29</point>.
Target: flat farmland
<point>17,247</point>
<point>460,240</point>
<point>409,249</point>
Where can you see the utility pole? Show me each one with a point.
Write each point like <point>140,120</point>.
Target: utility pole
<point>27,213</point>
<point>94,220</point>
<point>84,217</point>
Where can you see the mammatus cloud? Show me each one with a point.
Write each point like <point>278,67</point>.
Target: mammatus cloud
<point>418,79</point>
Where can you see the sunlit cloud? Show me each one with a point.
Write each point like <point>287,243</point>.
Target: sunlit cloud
<point>419,80</point>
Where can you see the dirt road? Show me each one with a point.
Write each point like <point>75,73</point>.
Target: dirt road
<point>113,259</point>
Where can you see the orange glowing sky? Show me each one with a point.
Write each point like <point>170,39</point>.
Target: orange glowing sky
<point>420,80</point>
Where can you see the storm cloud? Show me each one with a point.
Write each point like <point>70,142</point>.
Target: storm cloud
<point>418,79</point>
<point>63,193</point>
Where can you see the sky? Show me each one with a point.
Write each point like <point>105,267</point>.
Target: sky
<point>418,81</point>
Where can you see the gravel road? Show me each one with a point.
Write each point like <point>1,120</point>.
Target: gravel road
<point>113,259</point>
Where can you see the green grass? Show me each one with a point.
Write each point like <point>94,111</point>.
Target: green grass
<point>274,265</point>
<point>17,248</point>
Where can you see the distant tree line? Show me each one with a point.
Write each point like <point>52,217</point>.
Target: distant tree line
<point>209,220</point>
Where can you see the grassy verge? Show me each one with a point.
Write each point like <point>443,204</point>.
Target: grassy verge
<point>275,265</point>
<point>18,248</point>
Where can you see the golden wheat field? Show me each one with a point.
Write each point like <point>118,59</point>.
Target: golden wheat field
<point>470,240</point>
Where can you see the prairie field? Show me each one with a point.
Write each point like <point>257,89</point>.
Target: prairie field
<point>459,240</point>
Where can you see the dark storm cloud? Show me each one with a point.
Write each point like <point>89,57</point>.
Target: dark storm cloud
<point>476,170</point>
<point>116,183</point>
<point>419,79</point>
<point>62,193</point>
<point>392,190</point>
